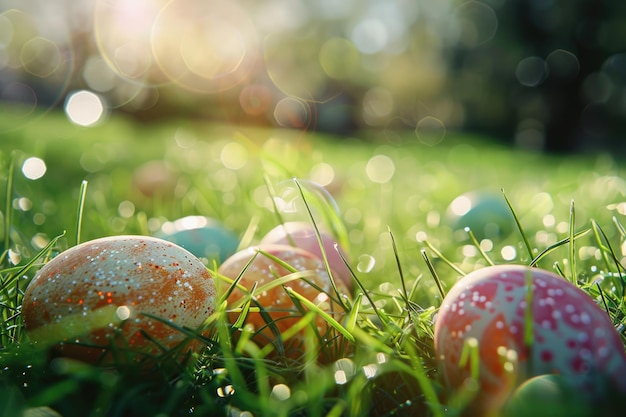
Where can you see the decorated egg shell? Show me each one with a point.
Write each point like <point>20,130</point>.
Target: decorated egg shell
<point>485,213</point>
<point>302,235</point>
<point>571,335</point>
<point>202,236</point>
<point>81,298</point>
<point>276,301</point>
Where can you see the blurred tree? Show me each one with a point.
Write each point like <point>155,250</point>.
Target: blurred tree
<point>552,78</point>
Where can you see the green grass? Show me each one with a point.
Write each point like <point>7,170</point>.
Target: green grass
<point>403,250</point>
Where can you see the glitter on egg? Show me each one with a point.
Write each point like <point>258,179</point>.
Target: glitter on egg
<point>101,290</point>
<point>571,335</point>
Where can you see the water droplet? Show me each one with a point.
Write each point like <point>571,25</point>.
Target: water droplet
<point>344,370</point>
<point>366,263</point>
<point>280,392</point>
<point>225,391</point>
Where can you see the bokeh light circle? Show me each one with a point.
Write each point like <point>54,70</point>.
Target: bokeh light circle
<point>531,71</point>
<point>204,46</point>
<point>40,57</point>
<point>34,168</point>
<point>36,62</point>
<point>293,65</point>
<point>339,58</point>
<point>292,113</point>
<point>255,99</point>
<point>563,64</point>
<point>84,108</point>
<point>477,23</point>
<point>430,130</point>
<point>122,30</point>
<point>380,169</point>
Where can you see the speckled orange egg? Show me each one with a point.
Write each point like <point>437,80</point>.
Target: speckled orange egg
<point>127,286</point>
<point>276,301</point>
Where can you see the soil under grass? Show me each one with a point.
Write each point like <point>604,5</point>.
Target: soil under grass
<point>392,196</point>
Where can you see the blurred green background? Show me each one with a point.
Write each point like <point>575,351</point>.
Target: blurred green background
<point>547,75</point>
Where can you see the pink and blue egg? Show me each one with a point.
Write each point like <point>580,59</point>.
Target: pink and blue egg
<point>555,329</point>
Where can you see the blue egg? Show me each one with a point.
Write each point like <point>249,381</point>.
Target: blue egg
<point>485,213</point>
<point>204,237</point>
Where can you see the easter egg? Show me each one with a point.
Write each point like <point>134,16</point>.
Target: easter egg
<point>556,328</point>
<point>204,237</point>
<point>486,214</point>
<point>302,235</point>
<point>124,291</point>
<point>547,396</point>
<point>313,284</point>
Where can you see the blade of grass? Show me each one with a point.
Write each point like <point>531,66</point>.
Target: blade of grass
<point>329,319</point>
<point>431,268</point>
<point>318,236</point>
<point>439,255</point>
<point>554,246</point>
<point>529,248</point>
<point>22,271</point>
<point>606,306</point>
<point>8,209</point>
<point>572,247</point>
<point>478,246</point>
<point>425,383</point>
<point>81,206</point>
<point>361,286</point>
<point>405,294</point>
<point>605,247</point>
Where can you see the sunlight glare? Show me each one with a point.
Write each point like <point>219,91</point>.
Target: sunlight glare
<point>508,253</point>
<point>461,205</point>
<point>84,108</point>
<point>322,174</point>
<point>380,169</point>
<point>34,168</point>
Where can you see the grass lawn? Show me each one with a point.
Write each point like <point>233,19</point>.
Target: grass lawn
<point>385,194</point>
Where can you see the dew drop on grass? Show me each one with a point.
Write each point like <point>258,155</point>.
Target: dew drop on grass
<point>225,391</point>
<point>345,369</point>
<point>340,377</point>
<point>14,257</point>
<point>366,263</point>
<point>280,392</point>
<point>370,371</point>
